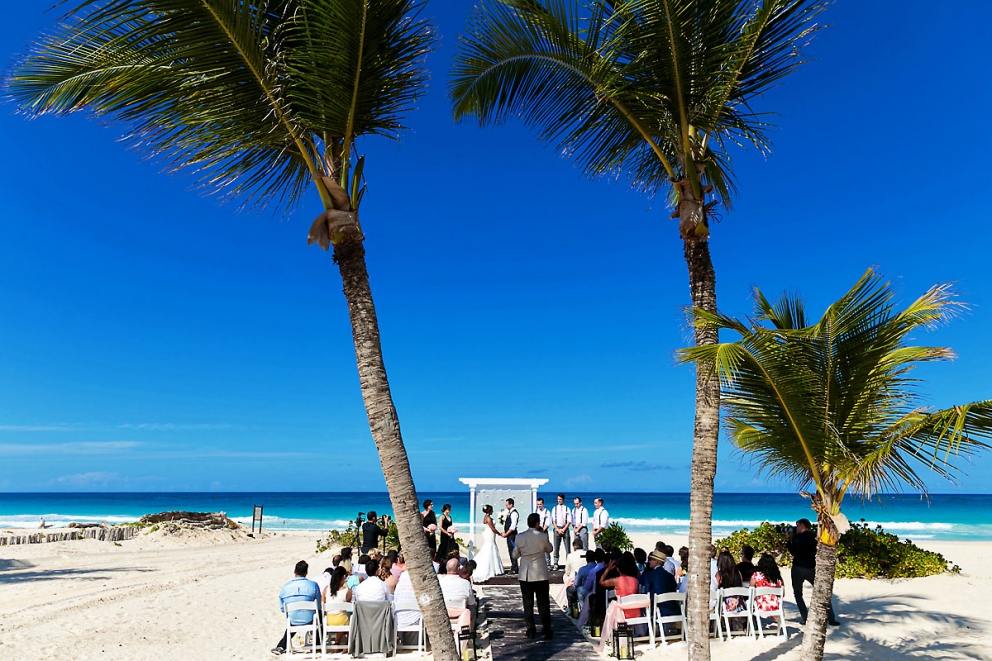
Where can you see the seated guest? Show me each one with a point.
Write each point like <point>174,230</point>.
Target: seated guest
<point>336,593</point>
<point>575,561</point>
<point>372,588</point>
<point>404,594</point>
<point>398,566</point>
<point>573,590</point>
<point>345,562</point>
<point>387,565</point>
<point>624,582</point>
<point>455,588</point>
<point>466,570</point>
<point>746,566</point>
<point>642,560</point>
<point>672,566</point>
<point>325,579</point>
<point>766,575</point>
<point>656,580</point>
<point>300,588</point>
<point>589,585</point>
<point>359,574</point>
<point>727,576</point>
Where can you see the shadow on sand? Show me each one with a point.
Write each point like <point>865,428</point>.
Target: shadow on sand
<point>926,634</point>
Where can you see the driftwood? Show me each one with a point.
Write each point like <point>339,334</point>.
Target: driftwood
<point>195,519</point>
<point>101,533</point>
<point>86,525</point>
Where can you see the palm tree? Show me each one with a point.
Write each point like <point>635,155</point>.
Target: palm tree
<point>657,90</point>
<point>264,101</point>
<point>833,404</point>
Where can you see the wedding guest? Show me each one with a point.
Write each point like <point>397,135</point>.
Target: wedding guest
<point>672,566</point>
<point>372,588</point>
<point>575,561</point>
<point>544,524</point>
<point>684,558</point>
<point>766,575</point>
<point>746,565</point>
<point>561,520</point>
<point>337,592</point>
<point>656,580</point>
<point>727,576</point>
<point>429,522</point>
<point>510,532</point>
<point>399,565</point>
<point>404,594</point>
<point>600,521</point>
<point>447,541</point>
<point>580,522</point>
<point>454,588</point>
<point>625,582</point>
<point>346,554</point>
<point>386,573</point>
<point>575,589</point>
<point>300,588</point>
<point>589,584</point>
<point>642,559</point>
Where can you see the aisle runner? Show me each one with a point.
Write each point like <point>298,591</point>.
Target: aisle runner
<point>505,613</point>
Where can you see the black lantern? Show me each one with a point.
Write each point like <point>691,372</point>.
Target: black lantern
<point>623,641</point>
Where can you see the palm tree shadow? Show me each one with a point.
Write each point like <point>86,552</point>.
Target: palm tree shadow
<point>923,632</point>
<point>15,576</point>
<point>14,565</point>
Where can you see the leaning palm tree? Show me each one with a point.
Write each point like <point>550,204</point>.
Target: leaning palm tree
<point>656,90</point>
<point>265,101</point>
<point>833,404</point>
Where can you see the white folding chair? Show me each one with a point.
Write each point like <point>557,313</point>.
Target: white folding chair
<point>662,620</point>
<point>777,614</point>
<point>335,607</point>
<point>311,628</point>
<point>715,597</point>
<point>418,628</point>
<point>744,613</point>
<point>456,604</point>
<point>641,601</point>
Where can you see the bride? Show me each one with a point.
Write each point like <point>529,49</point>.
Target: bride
<point>487,559</point>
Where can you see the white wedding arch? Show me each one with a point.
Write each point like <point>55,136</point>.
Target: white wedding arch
<point>494,491</point>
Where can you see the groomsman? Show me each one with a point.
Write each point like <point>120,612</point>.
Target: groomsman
<point>561,519</point>
<point>600,521</point>
<point>543,524</point>
<point>580,523</point>
<point>510,532</point>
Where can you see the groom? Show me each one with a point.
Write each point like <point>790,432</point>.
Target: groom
<point>531,549</point>
<point>510,532</point>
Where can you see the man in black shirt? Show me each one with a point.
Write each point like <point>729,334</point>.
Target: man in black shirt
<point>371,532</point>
<point>802,545</point>
<point>746,566</point>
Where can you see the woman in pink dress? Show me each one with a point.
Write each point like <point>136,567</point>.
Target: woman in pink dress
<point>766,575</point>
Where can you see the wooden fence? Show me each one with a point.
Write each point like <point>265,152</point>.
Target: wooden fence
<point>105,534</point>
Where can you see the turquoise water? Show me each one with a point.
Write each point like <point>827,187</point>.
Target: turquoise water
<point>944,517</point>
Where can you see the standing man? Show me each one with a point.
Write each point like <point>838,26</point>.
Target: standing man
<point>600,521</point>
<point>544,524</point>
<point>510,533</point>
<point>371,532</point>
<point>801,542</point>
<point>561,519</point>
<point>580,522</point>
<point>531,548</point>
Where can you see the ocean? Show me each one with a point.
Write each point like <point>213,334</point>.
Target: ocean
<point>943,517</point>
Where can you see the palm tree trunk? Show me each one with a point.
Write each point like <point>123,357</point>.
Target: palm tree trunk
<point>349,254</point>
<point>702,285</point>
<point>823,590</point>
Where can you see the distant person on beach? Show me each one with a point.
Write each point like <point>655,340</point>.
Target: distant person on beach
<point>43,524</point>
<point>531,547</point>
<point>600,521</point>
<point>580,522</point>
<point>561,522</point>
<point>371,532</point>
<point>429,522</point>
<point>300,588</point>
<point>801,543</point>
<point>510,532</point>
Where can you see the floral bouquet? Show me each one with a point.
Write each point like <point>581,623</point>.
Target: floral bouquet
<point>502,516</point>
<point>432,528</point>
<point>452,529</point>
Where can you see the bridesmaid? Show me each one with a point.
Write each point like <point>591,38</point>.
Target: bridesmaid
<point>447,542</point>
<point>430,526</point>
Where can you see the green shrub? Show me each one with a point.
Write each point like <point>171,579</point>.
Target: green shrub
<point>616,537</point>
<point>336,538</point>
<point>863,552</point>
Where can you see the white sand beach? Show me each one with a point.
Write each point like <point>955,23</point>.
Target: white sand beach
<point>213,595</point>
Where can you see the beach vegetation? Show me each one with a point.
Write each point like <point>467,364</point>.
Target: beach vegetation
<point>615,536</point>
<point>833,405</point>
<point>267,103</point>
<point>862,552</point>
<point>659,92</point>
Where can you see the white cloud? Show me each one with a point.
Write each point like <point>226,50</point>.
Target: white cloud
<point>84,447</point>
<point>171,426</point>
<point>578,480</point>
<point>30,428</point>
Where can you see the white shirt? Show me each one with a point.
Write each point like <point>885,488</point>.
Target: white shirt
<point>404,593</point>
<point>455,588</point>
<point>671,566</point>
<point>372,588</point>
<point>561,516</point>
<point>575,561</point>
<point>580,517</point>
<point>601,518</point>
<point>545,515</point>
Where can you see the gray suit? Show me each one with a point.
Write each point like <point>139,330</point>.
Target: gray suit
<point>531,547</point>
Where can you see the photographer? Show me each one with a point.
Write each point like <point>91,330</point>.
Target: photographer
<point>371,532</point>
<point>801,542</point>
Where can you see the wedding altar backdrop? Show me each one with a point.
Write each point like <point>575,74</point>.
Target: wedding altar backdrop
<point>494,491</point>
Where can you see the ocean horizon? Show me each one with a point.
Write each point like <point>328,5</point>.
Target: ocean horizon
<point>940,517</point>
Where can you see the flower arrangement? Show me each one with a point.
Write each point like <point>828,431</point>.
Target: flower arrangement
<point>502,516</point>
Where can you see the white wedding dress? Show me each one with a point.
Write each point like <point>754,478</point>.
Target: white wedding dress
<point>487,559</point>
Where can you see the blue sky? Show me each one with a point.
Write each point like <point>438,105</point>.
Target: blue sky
<point>152,339</point>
